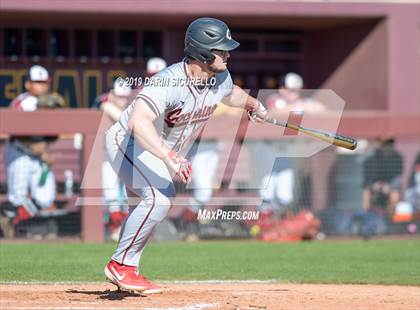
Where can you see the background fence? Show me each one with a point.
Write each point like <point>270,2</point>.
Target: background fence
<point>330,183</point>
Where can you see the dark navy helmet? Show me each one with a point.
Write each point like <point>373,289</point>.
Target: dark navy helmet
<point>206,34</point>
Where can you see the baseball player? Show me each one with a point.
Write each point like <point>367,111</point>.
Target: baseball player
<point>113,104</point>
<point>154,65</point>
<point>146,146</point>
<point>30,183</point>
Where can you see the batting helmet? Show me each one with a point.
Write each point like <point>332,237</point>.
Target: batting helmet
<point>206,34</point>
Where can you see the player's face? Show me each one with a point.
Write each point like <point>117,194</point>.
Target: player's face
<point>220,62</point>
<point>289,94</point>
<point>38,148</point>
<point>37,88</point>
<point>120,101</point>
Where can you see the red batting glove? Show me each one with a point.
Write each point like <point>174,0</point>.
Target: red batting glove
<point>179,165</point>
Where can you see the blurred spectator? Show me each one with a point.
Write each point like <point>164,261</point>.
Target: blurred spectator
<point>205,162</point>
<point>277,190</point>
<point>278,186</point>
<point>37,95</point>
<point>382,187</point>
<point>114,101</point>
<point>412,195</point>
<point>382,180</point>
<point>113,104</point>
<point>30,182</point>
<point>205,157</point>
<point>154,65</point>
<point>291,97</point>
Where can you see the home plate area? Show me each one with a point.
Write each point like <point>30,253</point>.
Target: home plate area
<point>210,295</point>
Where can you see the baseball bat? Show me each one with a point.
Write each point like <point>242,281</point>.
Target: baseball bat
<point>329,137</point>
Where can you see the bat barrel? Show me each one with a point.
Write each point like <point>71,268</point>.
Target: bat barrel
<point>346,142</point>
<point>335,139</point>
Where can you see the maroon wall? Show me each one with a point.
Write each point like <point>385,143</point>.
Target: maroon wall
<point>404,60</point>
<point>351,60</point>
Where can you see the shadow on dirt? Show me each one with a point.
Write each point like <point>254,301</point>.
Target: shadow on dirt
<point>107,294</point>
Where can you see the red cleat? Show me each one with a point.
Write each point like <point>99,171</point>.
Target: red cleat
<point>125,277</point>
<point>150,287</point>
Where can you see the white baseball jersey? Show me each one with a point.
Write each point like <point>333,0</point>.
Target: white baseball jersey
<point>25,102</point>
<point>183,107</point>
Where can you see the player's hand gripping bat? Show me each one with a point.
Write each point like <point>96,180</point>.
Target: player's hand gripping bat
<point>329,137</point>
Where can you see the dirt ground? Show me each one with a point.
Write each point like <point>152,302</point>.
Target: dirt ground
<point>192,296</point>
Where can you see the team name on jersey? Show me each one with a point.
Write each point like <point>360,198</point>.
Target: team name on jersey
<point>176,118</point>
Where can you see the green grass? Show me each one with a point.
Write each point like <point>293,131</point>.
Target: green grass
<point>380,262</point>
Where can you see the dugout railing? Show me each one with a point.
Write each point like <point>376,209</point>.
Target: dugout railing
<point>81,121</point>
